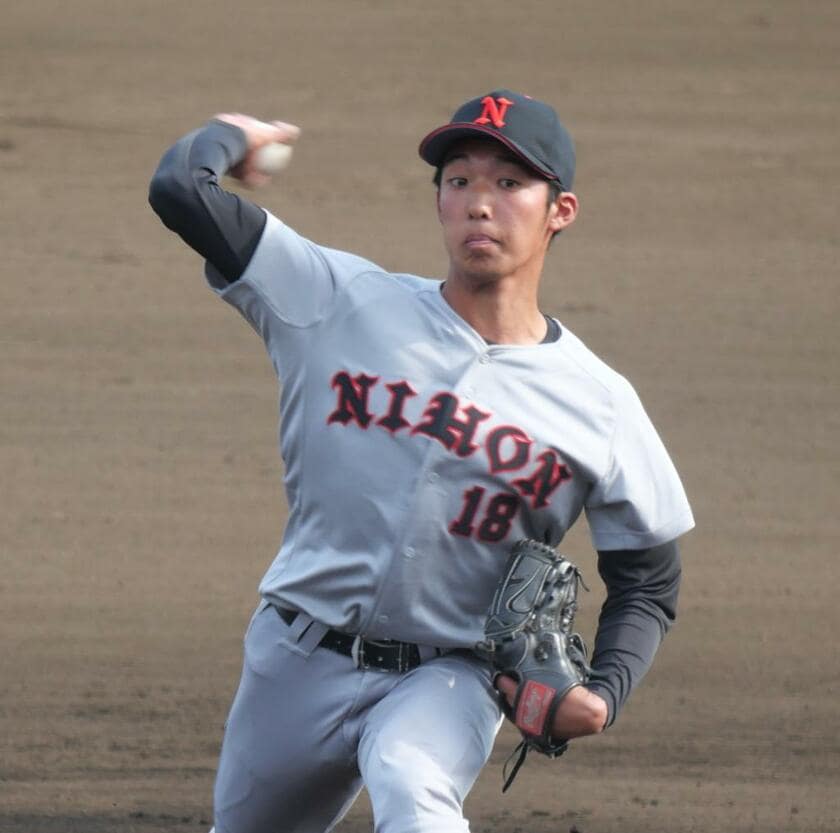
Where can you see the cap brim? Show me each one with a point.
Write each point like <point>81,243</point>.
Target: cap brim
<point>434,146</point>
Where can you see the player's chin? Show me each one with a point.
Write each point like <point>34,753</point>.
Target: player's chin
<point>484,265</point>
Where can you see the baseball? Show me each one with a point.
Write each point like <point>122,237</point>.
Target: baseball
<point>272,158</point>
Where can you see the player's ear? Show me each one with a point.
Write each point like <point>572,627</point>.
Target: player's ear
<point>562,212</point>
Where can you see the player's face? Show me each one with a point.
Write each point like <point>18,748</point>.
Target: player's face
<point>495,214</point>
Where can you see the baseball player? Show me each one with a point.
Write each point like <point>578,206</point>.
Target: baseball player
<point>426,426</point>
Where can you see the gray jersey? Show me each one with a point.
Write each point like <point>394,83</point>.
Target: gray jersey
<point>416,454</point>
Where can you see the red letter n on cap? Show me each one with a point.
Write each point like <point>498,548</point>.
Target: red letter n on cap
<point>493,110</point>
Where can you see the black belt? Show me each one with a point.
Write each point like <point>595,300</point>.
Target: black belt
<point>382,654</point>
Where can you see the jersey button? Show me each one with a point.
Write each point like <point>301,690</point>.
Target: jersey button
<point>484,358</point>
<point>409,552</point>
<point>383,619</point>
<point>433,477</point>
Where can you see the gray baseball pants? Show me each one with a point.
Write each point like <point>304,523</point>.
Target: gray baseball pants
<point>307,730</point>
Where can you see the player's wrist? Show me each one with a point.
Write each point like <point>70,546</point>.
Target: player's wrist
<point>598,712</point>
<point>605,695</point>
<point>580,713</point>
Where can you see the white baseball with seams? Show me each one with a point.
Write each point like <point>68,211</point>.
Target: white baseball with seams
<point>272,158</point>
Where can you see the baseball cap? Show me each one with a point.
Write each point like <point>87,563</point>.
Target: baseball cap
<point>527,127</point>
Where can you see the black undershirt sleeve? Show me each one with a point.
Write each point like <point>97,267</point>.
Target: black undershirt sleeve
<point>641,605</point>
<point>185,193</point>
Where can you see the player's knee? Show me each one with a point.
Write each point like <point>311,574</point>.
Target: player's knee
<point>410,791</point>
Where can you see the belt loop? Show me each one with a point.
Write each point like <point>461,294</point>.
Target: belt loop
<point>299,625</point>
<point>427,652</point>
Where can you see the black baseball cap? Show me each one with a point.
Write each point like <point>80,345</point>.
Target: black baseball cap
<point>527,127</point>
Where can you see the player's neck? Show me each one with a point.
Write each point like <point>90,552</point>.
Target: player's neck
<point>501,311</point>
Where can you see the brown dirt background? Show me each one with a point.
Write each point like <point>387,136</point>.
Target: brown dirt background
<point>141,490</point>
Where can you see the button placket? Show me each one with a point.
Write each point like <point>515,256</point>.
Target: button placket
<point>414,498</point>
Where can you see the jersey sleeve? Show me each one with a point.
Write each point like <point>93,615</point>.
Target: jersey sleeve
<point>640,501</point>
<point>290,283</point>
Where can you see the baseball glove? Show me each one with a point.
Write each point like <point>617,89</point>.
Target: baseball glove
<point>528,636</point>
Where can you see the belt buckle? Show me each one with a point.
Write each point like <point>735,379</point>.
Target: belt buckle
<point>357,653</point>
<point>360,660</point>
<point>402,658</point>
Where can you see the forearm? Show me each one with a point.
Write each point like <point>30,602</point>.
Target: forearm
<point>642,591</point>
<point>185,193</point>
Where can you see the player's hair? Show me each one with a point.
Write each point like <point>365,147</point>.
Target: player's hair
<point>554,190</point>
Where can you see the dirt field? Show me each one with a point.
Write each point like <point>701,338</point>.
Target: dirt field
<point>141,488</point>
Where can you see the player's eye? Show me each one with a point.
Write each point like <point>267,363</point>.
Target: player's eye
<point>507,183</point>
<point>457,181</point>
